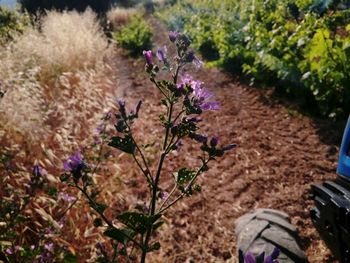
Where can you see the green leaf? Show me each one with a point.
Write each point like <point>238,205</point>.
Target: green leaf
<point>153,247</point>
<point>184,176</point>
<point>157,225</point>
<point>137,221</point>
<point>120,235</point>
<point>70,258</point>
<point>124,144</point>
<point>98,206</point>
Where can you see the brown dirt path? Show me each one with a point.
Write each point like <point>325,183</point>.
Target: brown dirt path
<point>280,155</point>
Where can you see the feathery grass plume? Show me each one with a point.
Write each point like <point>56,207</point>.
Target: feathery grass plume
<point>66,42</point>
<point>119,16</point>
<point>55,77</point>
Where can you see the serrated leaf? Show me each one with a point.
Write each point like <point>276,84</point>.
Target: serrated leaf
<point>184,175</point>
<point>124,144</point>
<point>120,235</point>
<point>137,221</point>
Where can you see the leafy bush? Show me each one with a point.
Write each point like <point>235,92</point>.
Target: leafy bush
<point>300,47</point>
<point>135,36</point>
<point>11,23</point>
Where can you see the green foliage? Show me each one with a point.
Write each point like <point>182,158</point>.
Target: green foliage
<point>135,36</point>
<point>11,23</point>
<point>301,47</point>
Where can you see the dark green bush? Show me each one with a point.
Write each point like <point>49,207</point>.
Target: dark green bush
<point>11,23</point>
<point>135,36</point>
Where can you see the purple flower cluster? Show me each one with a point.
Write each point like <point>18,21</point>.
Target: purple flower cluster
<point>66,197</point>
<point>75,165</point>
<point>250,258</point>
<point>201,96</point>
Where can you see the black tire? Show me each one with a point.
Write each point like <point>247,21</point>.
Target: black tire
<point>265,229</point>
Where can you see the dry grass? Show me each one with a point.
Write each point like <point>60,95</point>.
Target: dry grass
<point>57,83</point>
<point>67,42</point>
<point>119,17</point>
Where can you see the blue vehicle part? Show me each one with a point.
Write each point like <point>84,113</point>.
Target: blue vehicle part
<point>344,154</point>
<point>331,214</point>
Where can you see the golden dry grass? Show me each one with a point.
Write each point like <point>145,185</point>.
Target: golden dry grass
<point>119,17</point>
<point>58,84</point>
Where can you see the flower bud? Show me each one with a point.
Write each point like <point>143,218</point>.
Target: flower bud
<point>229,147</point>
<point>148,56</point>
<point>173,36</point>
<point>214,141</point>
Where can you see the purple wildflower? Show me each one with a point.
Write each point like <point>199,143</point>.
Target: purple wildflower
<point>122,110</point>
<point>66,197</point>
<point>12,250</point>
<point>74,163</point>
<point>100,248</point>
<point>191,57</point>
<point>178,145</point>
<point>214,141</point>
<point>101,128</point>
<point>36,179</point>
<point>202,97</point>
<point>173,36</point>
<point>148,57</point>
<point>199,138</point>
<point>250,258</point>
<point>163,195</point>
<point>275,253</point>
<point>49,247</point>
<point>38,172</point>
<point>9,251</point>
<point>162,54</point>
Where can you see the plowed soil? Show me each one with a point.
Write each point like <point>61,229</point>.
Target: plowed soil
<point>280,154</point>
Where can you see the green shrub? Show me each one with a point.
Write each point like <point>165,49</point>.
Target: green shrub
<point>301,47</point>
<point>135,36</point>
<point>11,23</point>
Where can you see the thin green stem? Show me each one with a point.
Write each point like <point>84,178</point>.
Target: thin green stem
<point>145,171</point>
<point>177,74</point>
<point>94,206</point>
<point>186,188</point>
<point>156,181</point>
<point>159,88</point>
<point>167,199</point>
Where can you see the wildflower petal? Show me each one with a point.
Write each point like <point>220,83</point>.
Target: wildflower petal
<point>249,258</point>
<point>148,56</point>
<point>173,36</point>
